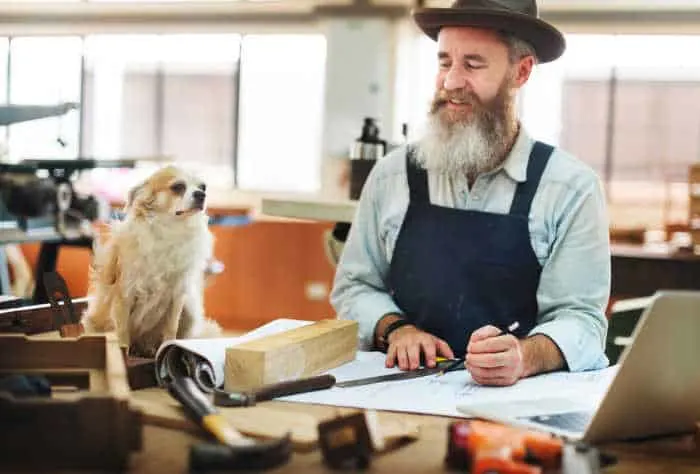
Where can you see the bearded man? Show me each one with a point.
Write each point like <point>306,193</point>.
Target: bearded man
<point>477,226</point>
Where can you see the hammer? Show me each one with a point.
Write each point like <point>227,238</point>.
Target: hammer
<point>235,450</point>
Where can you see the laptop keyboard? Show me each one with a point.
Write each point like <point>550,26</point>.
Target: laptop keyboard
<point>575,421</point>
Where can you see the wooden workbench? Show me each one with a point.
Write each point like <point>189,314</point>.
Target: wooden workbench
<point>166,450</point>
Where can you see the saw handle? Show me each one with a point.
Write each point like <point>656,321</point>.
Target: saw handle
<point>310,384</point>
<point>268,392</point>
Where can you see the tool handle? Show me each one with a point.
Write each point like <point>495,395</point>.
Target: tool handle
<point>310,384</point>
<point>195,403</point>
<point>199,409</point>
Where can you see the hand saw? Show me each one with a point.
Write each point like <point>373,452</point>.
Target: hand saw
<point>448,365</point>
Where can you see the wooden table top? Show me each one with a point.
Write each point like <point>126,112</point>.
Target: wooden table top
<point>167,450</point>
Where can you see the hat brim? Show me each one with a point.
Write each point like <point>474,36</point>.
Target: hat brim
<point>548,42</point>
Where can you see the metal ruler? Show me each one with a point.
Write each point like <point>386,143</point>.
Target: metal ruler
<point>449,365</point>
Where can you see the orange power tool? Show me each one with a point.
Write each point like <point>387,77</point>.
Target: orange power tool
<point>481,447</point>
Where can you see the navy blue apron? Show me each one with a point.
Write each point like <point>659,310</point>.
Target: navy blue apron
<point>454,271</point>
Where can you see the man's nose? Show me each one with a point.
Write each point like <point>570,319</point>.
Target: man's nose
<point>454,79</point>
<point>199,195</point>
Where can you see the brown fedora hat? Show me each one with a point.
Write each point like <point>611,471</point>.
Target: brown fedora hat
<point>517,17</point>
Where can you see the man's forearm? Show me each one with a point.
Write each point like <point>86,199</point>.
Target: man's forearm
<point>540,354</point>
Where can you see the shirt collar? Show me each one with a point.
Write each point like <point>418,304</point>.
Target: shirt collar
<point>515,164</point>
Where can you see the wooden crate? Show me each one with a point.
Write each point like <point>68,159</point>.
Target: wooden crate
<point>694,204</point>
<point>86,423</point>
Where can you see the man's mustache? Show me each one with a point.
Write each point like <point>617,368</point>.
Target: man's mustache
<point>442,97</point>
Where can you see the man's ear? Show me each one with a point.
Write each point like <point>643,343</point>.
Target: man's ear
<point>523,69</point>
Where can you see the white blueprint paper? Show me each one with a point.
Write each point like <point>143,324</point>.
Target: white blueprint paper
<point>441,394</point>
<point>434,394</point>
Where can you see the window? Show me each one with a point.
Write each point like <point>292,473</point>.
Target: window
<point>163,97</point>
<point>631,112</point>
<point>282,90</point>
<point>624,104</point>
<point>4,50</point>
<point>45,71</point>
<point>174,98</point>
<point>415,82</point>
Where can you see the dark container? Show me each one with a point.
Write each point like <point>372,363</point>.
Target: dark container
<point>364,153</point>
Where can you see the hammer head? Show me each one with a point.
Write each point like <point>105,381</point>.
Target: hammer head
<point>264,455</point>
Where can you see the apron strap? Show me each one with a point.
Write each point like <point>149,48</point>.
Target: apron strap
<point>525,192</point>
<point>417,179</point>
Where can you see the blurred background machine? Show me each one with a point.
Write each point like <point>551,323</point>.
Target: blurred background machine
<point>38,202</point>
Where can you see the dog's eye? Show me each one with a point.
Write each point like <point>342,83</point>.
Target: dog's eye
<point>203,187</point>
<point>178,187</point>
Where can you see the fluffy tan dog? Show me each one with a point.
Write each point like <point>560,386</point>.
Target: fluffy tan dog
<point>147,279</point>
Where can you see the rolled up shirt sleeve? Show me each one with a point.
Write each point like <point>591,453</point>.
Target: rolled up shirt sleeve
<point>360,289</point>
<point>575,281</point>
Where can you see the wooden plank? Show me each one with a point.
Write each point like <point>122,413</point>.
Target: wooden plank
<point>115,369</point>
<point>258,421</point>
<point>36,318</point>
<point>265,421</point>
<point>18,352</point>
<point>301,352</point>
<point>320,210</point>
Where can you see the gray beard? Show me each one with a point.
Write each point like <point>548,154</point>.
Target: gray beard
<point>460,149</point>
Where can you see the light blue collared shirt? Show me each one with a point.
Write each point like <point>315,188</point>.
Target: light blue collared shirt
<point>568,230</point>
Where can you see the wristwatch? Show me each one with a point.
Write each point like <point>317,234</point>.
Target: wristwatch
<point>384,338</point>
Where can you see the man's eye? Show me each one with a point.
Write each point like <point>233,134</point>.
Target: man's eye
<point>474,66</point>
<point>178,187</point>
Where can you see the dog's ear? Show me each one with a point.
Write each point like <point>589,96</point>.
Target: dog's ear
<point>132,194</point>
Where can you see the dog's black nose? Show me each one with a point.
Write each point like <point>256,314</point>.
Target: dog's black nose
<point>199,196</point>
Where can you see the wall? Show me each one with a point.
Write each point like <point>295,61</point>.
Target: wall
<point>271,267</point>
<point>359,83</point>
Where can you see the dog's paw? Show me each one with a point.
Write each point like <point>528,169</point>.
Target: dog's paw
<point>98,325</point>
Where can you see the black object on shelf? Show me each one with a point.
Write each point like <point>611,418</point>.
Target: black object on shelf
<point>363,155</point>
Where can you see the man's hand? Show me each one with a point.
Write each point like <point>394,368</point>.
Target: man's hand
<point>494,358</point>
<point>406,344</point>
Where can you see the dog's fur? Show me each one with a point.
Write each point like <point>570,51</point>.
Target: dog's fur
<point>147,279</point>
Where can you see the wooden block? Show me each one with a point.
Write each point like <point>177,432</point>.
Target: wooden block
<point>301,352</point>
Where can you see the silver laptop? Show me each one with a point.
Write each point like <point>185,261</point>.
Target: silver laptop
<point>655,391</point>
